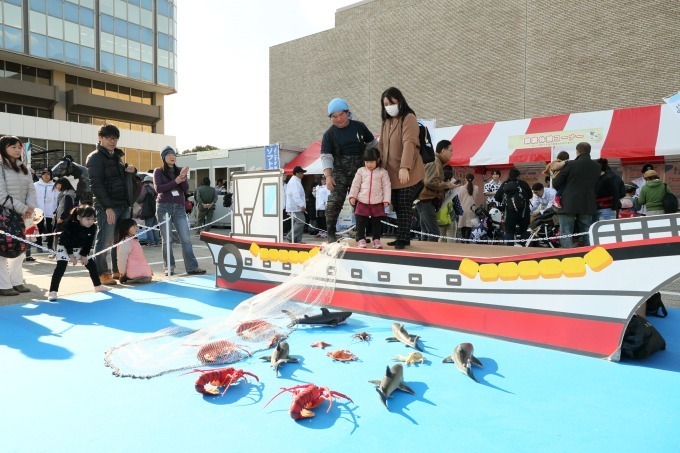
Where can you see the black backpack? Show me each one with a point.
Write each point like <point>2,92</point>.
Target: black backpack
<point>654,304</point>
<point>513,198</point>
<point>228,198</point>
<point>670,202</point>
<point>641,339</point>
<point>426,148</point>
<point>148,205</point>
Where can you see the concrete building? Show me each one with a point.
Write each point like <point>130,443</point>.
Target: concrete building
<point>69,66</point>
<point>463,62</point>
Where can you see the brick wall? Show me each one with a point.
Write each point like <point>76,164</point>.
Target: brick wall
<point>462,61</point>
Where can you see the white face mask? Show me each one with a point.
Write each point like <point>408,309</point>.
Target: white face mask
<point>392,110</point>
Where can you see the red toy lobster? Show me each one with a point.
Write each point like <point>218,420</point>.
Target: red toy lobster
<point>308,396</point>
<point>222,377</point>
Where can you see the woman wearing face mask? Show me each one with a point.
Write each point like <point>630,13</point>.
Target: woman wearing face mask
<point>401,158</point>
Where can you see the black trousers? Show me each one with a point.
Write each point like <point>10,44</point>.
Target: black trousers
<point>376,226</point>
<point>61,268</point>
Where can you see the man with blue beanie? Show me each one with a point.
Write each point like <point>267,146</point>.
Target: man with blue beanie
<point>342,148</point>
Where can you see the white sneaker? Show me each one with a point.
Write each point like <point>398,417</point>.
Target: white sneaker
<point>102,289</point>
<point>52,295</point>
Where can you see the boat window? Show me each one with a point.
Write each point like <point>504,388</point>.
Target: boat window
<point>249,261</point>
<point>383,276</point>
<point>267,264</point>
<point>453,280</point>
<point>415,279</point>
<point>286,266</point>
<point>356,273</point>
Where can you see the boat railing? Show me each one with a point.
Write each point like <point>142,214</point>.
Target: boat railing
<point>635,229</point>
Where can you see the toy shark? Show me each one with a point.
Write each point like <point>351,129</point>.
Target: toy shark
<point>330,318</point>
<point>463,357</point>
<point>400,334</point>
<point>279,356</point>
<point>393,380</point>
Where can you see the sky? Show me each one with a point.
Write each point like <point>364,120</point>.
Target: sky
<point>225,43</point>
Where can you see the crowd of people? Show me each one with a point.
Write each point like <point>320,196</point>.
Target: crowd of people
<point>81,233</point>
<point>355,164</point>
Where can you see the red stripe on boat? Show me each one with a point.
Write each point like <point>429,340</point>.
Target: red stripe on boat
<point>595,337</point>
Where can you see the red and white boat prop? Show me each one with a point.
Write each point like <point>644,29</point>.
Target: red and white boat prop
<point>576,300</point>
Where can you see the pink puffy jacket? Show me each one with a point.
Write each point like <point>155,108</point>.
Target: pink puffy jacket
<point>131,260</point>
<point>371,186</point>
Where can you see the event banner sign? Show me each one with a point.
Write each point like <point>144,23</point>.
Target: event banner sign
<point>558,138</point>
<point>271,157</point>
<point>674,101</point>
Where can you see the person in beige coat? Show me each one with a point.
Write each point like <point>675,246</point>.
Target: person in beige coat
<point>17,183</point>
<point>398,147</point>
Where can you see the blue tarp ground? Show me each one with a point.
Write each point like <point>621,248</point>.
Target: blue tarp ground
<point>57,395</point>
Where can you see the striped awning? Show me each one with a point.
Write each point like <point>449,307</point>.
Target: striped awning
<point>631,133</point>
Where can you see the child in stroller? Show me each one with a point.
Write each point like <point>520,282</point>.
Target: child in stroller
<point>486,225</point>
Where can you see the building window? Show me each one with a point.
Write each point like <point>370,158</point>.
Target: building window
<point>38,45</point>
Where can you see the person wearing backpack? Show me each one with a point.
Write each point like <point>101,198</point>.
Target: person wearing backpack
<point>435,189</point>
<point>577,183</point>
<point>399,142</point>
<point>652,193</point>
<point>342,148</point>
<point>515,194</point>
<point>206,198</point>
<point>147,200</point>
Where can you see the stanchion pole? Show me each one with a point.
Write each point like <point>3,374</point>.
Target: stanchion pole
<point>168,245</point>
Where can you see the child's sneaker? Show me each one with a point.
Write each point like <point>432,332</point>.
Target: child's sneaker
<point>102,289</point>
<point>362,243</point>
<point>52,295</point>
<point>558,202</point>
<point>377,244</point>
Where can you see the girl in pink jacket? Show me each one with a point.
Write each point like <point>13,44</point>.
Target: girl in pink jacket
<point>132,263</point>
<point>370,194</point>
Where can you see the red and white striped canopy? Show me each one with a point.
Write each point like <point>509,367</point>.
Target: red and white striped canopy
<point>631,133</point>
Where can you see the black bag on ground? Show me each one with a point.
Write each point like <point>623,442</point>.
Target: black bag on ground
<point>670,202</point>
<point>641,339</point>
<point>426,148</point>
<point>654,304</point>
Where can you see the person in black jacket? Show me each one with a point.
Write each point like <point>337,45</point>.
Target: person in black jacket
<point>75,244</point>
<point>577,183</point>
<point>107,179</point>
<point>516,221</point>
<point>608,192</point>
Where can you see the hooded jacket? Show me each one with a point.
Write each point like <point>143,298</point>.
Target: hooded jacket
<point>46,197</point>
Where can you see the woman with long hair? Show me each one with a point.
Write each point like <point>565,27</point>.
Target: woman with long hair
<point>17,193</point>
<point>467,195</point>
<point>171,185</point>
<point>398,146</point>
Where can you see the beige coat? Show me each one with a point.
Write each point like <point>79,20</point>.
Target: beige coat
<point>398,147</point>
<point>467,201</point>
<point>20,187</point>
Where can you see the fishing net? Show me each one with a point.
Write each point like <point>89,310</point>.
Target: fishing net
<point>256,324</point>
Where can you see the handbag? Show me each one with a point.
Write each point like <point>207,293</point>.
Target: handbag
<point>457,207</point>
<point>11,222</point>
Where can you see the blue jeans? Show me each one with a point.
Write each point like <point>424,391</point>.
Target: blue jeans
<point>152,236</point>
<point>567,222</point>
<point>178,219</point>
<point>104,238</point>
<point>606,214</point>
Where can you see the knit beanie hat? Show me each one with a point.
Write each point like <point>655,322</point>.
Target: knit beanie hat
<point>337,105</point>
<point>167,150</point>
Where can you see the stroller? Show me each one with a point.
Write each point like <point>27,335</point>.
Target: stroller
<point>486,225</point>
<point>542,230</point>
